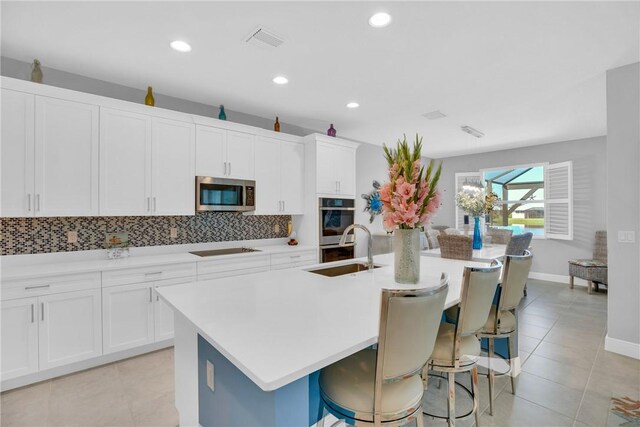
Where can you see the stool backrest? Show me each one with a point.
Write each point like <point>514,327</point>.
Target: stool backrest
<point>499,236</point>
<point>514,277</point>
<point>409,322</point>
<point>600,249</point>
<point>518,243</point>
<point>478,290</point>
<point>455,247</point>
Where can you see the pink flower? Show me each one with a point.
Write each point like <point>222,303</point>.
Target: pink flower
<point>406,190</point>
<point>434,203</point>
<point>385,193</point>
<point>416,170</point>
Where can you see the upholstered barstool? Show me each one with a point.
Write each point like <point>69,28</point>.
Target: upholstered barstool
<point>503,319</point>
<point>455,247</point>
<point>383,386</point>
<point>517,245</point>
<point>499,236</point>
<point>457,347</point>
<point>594,270</point>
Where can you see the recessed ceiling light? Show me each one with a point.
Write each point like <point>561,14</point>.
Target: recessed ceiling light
<point>380,19</point>
<point>180,46</point>
<point>280,80</point>
<point>353,105</point>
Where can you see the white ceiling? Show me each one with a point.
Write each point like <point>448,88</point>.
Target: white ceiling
<point>521,72</point>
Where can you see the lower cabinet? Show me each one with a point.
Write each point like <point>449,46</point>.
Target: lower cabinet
<point>70,327</point>
<point>127,313</point>
<point>163,313</point>
<point>19,337</point>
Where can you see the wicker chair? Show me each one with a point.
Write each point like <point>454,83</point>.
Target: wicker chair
<point>439,228</point>
<point>432,238</point>
<point>452,231</point>
<point>455,247</point>
<point>518,244</point>
<point>594,271</point>
<point>499,236</point>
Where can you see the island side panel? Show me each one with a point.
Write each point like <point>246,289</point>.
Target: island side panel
<point>237,401</point>
<point>186,372</point>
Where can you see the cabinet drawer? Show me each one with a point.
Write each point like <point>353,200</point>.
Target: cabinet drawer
<point>148,274</point>
<point>21,288</point>
<point>293,265</point>
<point>234,265</point>
<point>232,273</point>
<point>296,257</point>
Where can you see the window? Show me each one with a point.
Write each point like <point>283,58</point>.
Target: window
<point>533,198</point>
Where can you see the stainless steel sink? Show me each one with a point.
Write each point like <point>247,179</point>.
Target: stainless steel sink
<point>341,270</point>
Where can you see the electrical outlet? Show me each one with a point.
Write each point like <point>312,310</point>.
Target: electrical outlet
<point>626,236</point>
<point>276,228</point>
<point>210,375</point>
<point>174,232</point>
<point>72,237</point>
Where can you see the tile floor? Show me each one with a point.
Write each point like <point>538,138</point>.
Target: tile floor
<point>567,377</point>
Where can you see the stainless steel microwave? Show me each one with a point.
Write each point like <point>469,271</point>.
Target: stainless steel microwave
<point>223,194</point>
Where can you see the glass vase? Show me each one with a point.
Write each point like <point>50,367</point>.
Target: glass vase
<point>406,246</point>
<point>477,236</point>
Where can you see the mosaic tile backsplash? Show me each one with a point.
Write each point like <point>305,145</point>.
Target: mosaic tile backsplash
<point>42,235</point>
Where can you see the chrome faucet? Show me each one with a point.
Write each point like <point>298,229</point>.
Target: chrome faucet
<point>343,242</point>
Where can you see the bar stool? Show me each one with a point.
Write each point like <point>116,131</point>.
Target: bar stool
<point>457,348</point>
<point>503,319</point>
<point>383,386</point>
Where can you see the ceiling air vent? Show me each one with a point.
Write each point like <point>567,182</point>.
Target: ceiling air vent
<point>435,115</point>
<point>472,131</point>
<point>263,37</point>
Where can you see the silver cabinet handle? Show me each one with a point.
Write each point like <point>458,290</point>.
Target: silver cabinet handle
<point>29,202</point>
<point>42,310</point>
<point>152,273</point>
<point>32,316</point>
<point>155,205</point>
<point>229,168</point>
<point>295,256</point>
<point>148,204</point>
<point>150,295</point>
<point>28,288</point>
<point>225,168</point>
<point>37,202</point>
<point>283,205</point>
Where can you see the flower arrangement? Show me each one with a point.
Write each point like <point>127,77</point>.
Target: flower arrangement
<point>471,201</point>
<point>489,202</point>
<point>374,204</point>
<point>411,196</point>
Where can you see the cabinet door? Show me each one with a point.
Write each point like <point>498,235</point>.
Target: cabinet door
<point>66,158</point>
<point>292,177</point>
<point>125,163</point>
<point>17,153</point>
<point>346,172</point>
<point>163,313</point>
<point>127,313</point>
<point>328,163</point>
<point>70,327</point>
<point>240,155</point>
<point>210,143</point>
<point>19,337</point>
<point>173,168</point>
<point>268,194</point>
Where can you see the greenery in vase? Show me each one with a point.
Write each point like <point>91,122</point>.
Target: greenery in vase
<point>411,196</point>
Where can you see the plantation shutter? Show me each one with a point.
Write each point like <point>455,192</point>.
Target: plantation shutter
<point>558,194</point>
<point>461,177</point>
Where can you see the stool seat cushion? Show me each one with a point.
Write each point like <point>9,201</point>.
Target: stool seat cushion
<point>443,350</point>
<point>348,385</point>
<point>507,322</point>
<point>588,262</point>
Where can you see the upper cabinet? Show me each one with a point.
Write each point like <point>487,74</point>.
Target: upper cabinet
<point>147,165</point>
<point>224,153</point>
<point>335,166</point>
<point>49,156</point>
<point>279,177</point>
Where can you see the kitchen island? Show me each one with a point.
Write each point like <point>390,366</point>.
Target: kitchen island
<point>268,334</point>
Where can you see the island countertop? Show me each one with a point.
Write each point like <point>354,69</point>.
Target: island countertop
<point>279,326</point>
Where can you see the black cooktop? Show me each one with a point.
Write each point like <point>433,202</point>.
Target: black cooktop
<point>227,251</point>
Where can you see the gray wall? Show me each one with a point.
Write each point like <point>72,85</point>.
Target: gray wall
<point>21,70</point>
<point>623,201</point>
<point>589,193</point>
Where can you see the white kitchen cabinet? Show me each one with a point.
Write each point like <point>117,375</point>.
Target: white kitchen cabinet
<point>336,166</point>
<point>18,128</point>
<point>66,158</point>
<point>127,316</point>
<point>163,313</point>
<point>173,167</point>
<point>125,163</point>
<point>19,337</point>
<point>49,156</point>
<point>224,153</point>
<point>70,327</point>
<point>279,177</point>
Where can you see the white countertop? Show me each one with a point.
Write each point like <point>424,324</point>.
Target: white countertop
<point>279,326</point>
<point>486,254</point>
<point>71,265</point>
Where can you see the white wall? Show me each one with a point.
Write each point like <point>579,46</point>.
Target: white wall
<point>589,192</point>
<point>623,208</point>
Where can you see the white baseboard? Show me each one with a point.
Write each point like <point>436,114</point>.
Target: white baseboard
<point>557,278</point>
<point>625,348</point>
